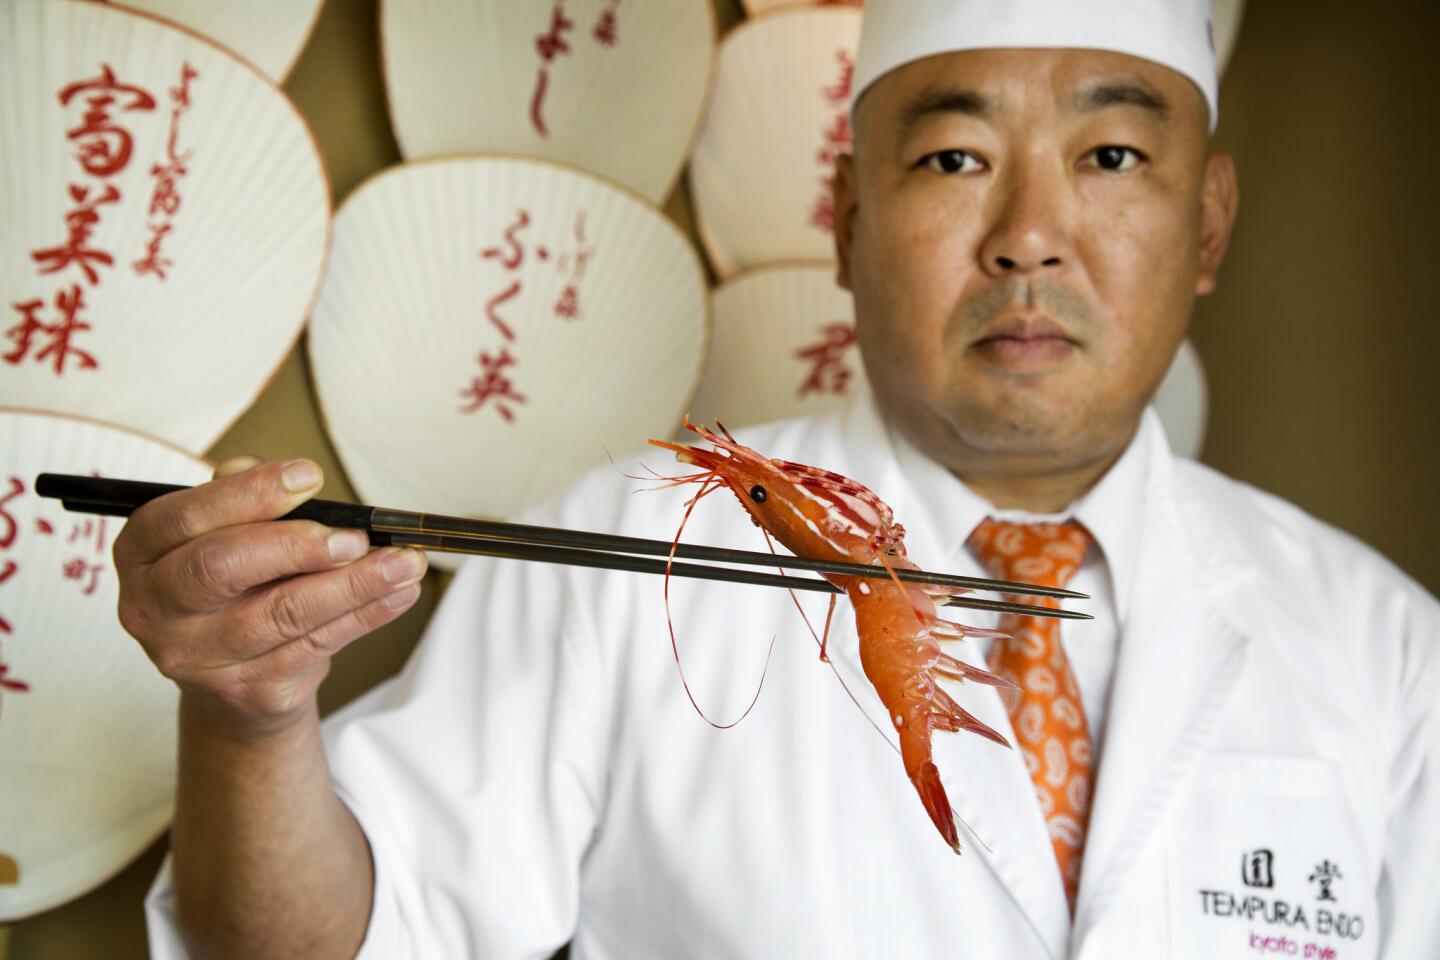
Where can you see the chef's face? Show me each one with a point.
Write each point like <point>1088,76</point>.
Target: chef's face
<point>1025,232</point>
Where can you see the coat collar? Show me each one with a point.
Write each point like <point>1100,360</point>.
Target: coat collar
<point>1184,647</point>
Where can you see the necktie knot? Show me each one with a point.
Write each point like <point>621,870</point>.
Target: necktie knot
<point>1043,553</point>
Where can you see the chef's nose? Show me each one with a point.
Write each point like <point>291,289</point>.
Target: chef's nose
<point>1029,231</point>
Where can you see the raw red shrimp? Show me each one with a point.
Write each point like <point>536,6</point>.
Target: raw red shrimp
<point>819,514</point>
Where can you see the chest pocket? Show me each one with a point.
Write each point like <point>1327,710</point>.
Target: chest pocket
<point>1265,859</point>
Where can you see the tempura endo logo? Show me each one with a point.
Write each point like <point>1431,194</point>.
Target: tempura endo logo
<point>1277,912</point>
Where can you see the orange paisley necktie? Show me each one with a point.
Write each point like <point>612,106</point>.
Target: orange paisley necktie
<point>1046,712</point>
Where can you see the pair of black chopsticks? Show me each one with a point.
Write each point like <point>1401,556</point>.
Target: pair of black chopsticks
<point>491,538</point>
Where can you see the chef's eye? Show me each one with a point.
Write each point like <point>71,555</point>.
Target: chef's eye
<point>1115,159</point>
<point>757,493</point>
<point>950,161</point>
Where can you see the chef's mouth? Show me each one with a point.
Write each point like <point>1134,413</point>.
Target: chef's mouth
<point>1027,353</point>
<point>1027,338</point>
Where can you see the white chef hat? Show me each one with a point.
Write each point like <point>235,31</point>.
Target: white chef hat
<point>1173,33</point>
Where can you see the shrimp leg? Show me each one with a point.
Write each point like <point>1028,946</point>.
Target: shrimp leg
<point>949,715</point>
<point>943,631</point>
<point>954,669</point>
<point>825,634</point>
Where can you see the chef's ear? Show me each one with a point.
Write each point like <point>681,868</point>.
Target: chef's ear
<point>842,193</point>
<point>1219,200</point>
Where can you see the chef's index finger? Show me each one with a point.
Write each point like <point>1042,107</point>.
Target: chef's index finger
<point>265,492</point>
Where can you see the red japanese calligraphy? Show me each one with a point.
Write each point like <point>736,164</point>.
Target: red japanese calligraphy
<point>510,255</point>
<point>165,199</point>
<point>835,139</point>
<point>492,309</point>
<point>511,260</point>
<point>838,94</point>
<point>82,529</point>
<point>104,148</point>
<point>7,540</point>
<point>553,44</point>
<point>494,385</point>
<point>828,372</point>
<point>550,45</point>
<point>568,306</point>
<point>607,28</point>
<point>12,529</point>
<point>516,256</point>
<point>76,568</point>
<point>81,223</point>
<point>8,682</point>
<point>68,303</point>
<point>152,262</point>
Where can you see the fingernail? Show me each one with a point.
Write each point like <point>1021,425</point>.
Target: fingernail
<point>300,475</point>
<point>401,597</point>
<point>403,565</point>
<point>347,545</point>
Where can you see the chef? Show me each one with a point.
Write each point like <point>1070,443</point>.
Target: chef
<point>1238,757</point>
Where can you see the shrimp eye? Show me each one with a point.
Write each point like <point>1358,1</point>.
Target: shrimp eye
<point>757,493</point>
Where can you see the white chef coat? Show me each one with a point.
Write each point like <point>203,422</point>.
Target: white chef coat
<point>1269,780</point>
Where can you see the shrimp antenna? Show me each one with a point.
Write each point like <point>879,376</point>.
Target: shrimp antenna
<point>971,830</point>
<point>631,476</point>
<point>711,483</point>
<point>820,642</point>
<point>655,475</point>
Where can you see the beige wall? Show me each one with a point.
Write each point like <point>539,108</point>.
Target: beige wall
<point>1321,345</point>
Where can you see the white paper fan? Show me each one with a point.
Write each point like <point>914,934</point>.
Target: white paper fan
<point>163,221</point>
<point>268,33</point>
<point>783,346</point>
<point>87,747</point>
<point>762,168</point>
<point>616,89</point>
<point>754,7</point>
<point>489,327</point>
<point>1228,15</point>
<point>1183,402</point>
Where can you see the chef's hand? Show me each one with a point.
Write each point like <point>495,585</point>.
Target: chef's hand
<point>242,612</point>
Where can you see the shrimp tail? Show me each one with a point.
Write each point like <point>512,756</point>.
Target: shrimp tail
<point>937,804</point>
